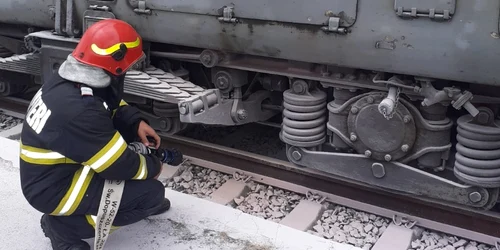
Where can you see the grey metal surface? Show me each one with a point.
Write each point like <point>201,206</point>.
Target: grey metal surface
<point>394,176</point>
<point>209,107</point>
<point>38,13</point>
<point>357,124</point>
<point>462,48</point>
<point>166,117</point>
<point>459,49</point>
<point>14,45</point>
<point>26,63</point>
<point>441,9</point>
<point>478,149</point>
<point>314,12</point>
<point>304,116</point>
<point>451,219</point>
<point>153,83</point>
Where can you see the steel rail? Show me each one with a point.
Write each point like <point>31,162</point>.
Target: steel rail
<point>13,106</point>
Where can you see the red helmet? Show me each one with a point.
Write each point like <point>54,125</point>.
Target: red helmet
<point>111,44</point>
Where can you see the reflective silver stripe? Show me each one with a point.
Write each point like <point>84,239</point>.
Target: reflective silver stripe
<point>74,195</point>
<point>39,155</point>
<point>108,155</point>
<point>141,173</point>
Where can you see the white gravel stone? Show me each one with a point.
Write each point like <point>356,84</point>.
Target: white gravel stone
<point>198,181</point>
<point>470,247</point>
<point>346,225</point>
<point>267,202</point>
<point>439,241</point>
<point>338,223</point>
<point>8,122</point>
<point>368,227</point>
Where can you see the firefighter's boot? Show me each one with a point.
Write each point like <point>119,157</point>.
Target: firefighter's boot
<point>57,242</point>
<point>164,207</point>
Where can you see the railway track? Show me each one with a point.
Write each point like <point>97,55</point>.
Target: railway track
<point>476,225</point>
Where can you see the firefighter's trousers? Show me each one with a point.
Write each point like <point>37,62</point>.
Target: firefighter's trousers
<point>140,199</point>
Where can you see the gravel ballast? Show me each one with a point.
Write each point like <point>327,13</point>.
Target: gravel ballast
<point>430,240</point>
<point>198,181</point>
<point>8,122</point>
<point>338,223</point>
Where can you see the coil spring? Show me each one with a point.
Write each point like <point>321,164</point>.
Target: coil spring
<point>304,118</point>
<point>477,161</point>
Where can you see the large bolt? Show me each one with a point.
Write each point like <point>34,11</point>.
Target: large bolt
<point>206,58</point>
<point>183,109</point>
<point>405,148</point>
<point>368,153</point>
<point>354,110</point>
<point>406,119</point>
<point>378,170</point>
<point>299,86</point>
<point>483,117</point>
<point>388,157</point>
<point>296,155</point>
<point>353,137</point>
<point>370,100</point>
<point>163,124</point>
<point>242,114</point>
<point>475,197</point>
<point>222,82</point>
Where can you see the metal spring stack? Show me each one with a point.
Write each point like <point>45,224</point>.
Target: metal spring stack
<point>304,116</point>
<point>477,161</point>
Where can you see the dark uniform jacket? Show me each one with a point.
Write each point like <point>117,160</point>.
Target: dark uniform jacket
<point>71,142</point>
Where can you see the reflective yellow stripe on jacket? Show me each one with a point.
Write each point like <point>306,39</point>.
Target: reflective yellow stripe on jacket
<point>142,173</point>
<point>42,156</point>
<point>79,184</point>
<point>108,154</point>
<point>122,103</point>
<point>102,160</point>
<point>74,195</point>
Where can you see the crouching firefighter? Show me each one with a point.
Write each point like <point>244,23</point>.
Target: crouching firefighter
<point>80,161</point>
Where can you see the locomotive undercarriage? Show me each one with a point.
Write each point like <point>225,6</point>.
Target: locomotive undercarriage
<point>396,134</point>
<point>391,132</point>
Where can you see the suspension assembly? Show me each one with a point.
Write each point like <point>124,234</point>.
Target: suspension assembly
<point>478,149</point>
<point>168,114</point>
<point>304,115</point>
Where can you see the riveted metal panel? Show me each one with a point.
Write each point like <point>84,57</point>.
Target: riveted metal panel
<point>28,12</point>
<point>425,6</point>
<point>315,12</point>
<point>464,48</point>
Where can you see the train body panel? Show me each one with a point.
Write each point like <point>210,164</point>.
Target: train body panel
<point>228,63</point>
<point>460,48</point>
<point>25,12</point>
